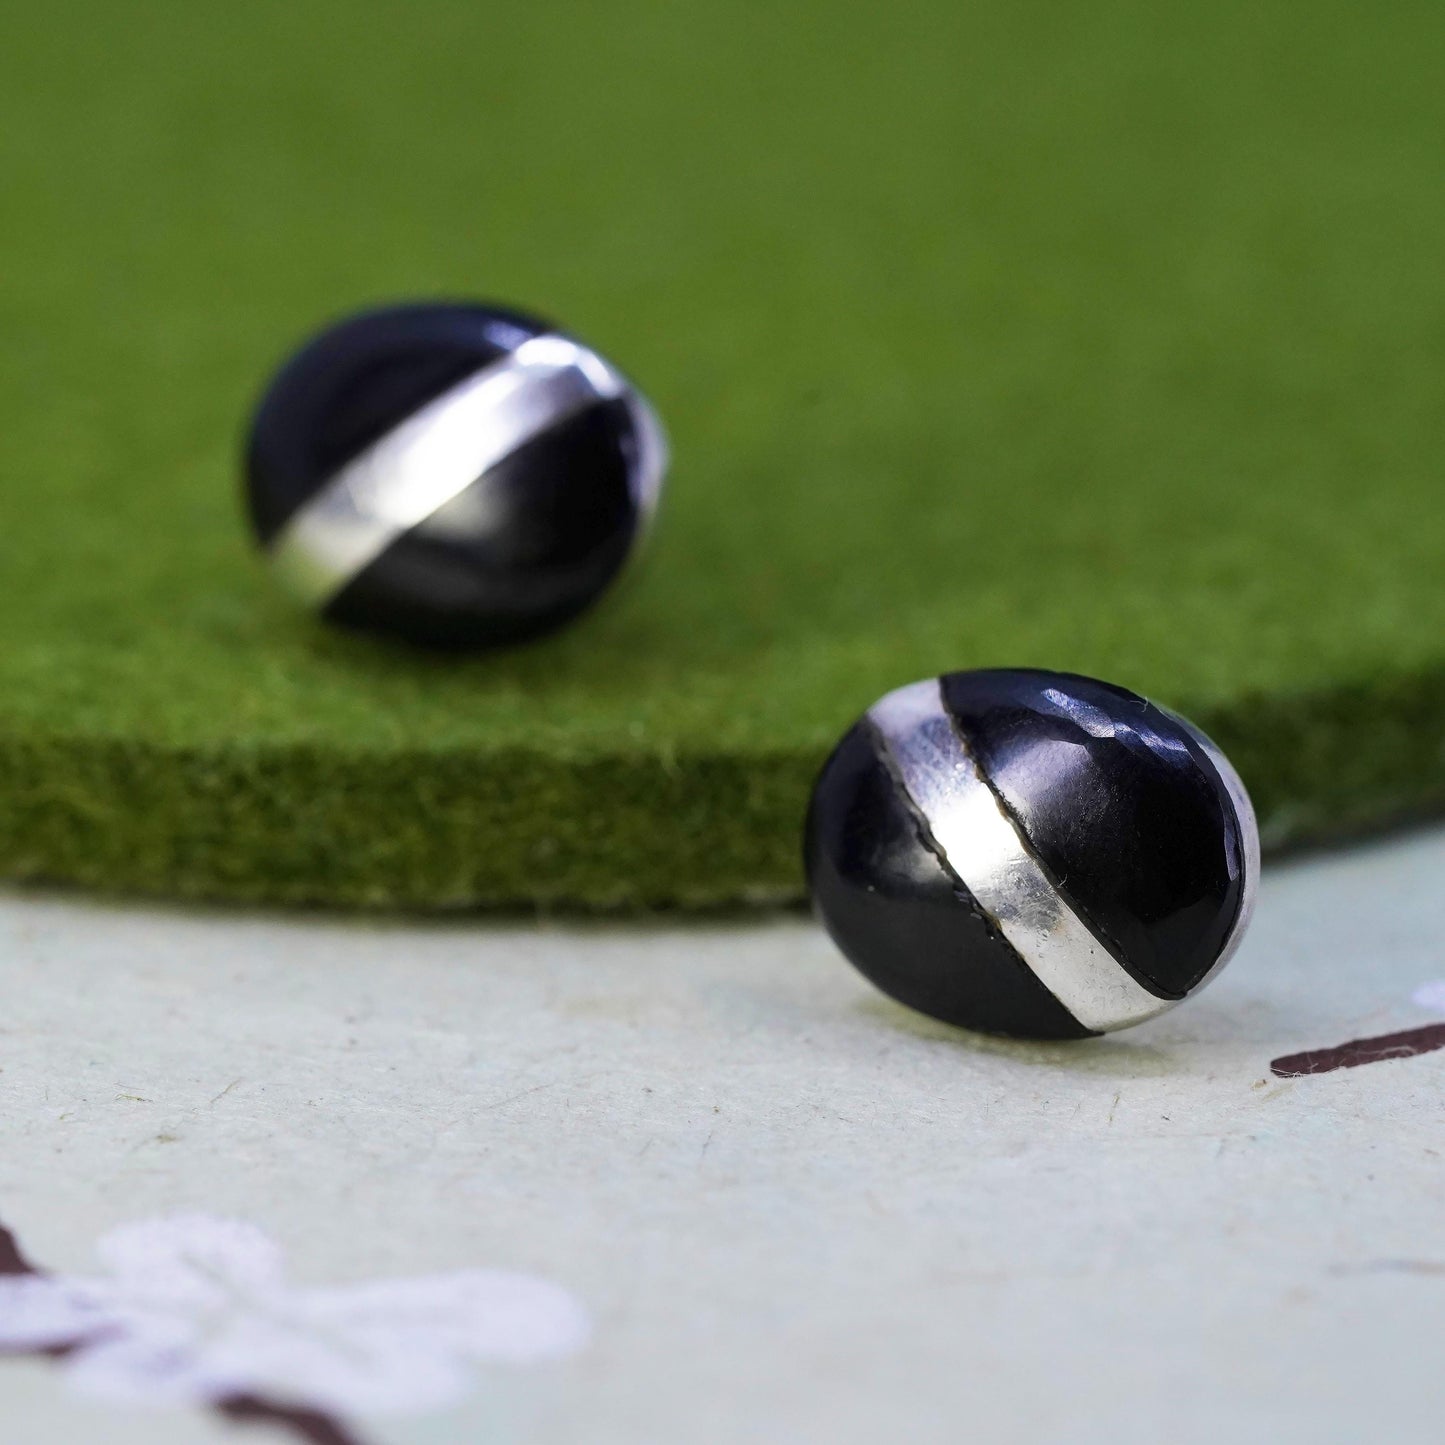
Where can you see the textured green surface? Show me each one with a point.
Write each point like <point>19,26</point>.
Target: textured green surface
<point>1108,337</point>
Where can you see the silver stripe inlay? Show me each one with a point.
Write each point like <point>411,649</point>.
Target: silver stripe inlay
<point>983,847</point>
<point>435,455</point>
<point>1248,839</point>
<point>649,465</point>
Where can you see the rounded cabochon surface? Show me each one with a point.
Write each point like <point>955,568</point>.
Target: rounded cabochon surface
<point>1031,853</point>
<point>451,474</point>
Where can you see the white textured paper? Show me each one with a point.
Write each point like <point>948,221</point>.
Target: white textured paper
<point>794,1212</point>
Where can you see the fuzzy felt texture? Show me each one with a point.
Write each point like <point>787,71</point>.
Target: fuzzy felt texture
<point>1104,338</point>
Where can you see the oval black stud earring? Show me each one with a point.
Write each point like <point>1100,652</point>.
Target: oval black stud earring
<point>1031,853</point>
<point>452,475</point>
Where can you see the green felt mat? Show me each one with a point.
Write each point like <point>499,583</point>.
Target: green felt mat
<point>1107,337</point>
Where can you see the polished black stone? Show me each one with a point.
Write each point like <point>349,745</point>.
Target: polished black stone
<point>507,559</point>
<point>1121,805</point>
<point>901,917</point>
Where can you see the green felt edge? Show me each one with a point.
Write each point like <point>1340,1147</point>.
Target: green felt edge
<point>448,830</point>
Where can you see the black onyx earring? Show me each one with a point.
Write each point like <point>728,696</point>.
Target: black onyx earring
<point>453,475</point>
<point>1031,853</point>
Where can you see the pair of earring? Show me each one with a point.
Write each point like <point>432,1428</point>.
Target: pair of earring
<point>1029,853</point>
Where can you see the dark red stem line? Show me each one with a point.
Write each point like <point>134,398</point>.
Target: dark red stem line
<point>1351,1055</point>
<point>11,1260</point>
<point>312,1426</point>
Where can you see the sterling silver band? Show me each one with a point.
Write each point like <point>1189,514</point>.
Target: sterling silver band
<point>652,456</point>
<point>435,455</point>
<point>1248,842</point>
<point>983,848</point>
